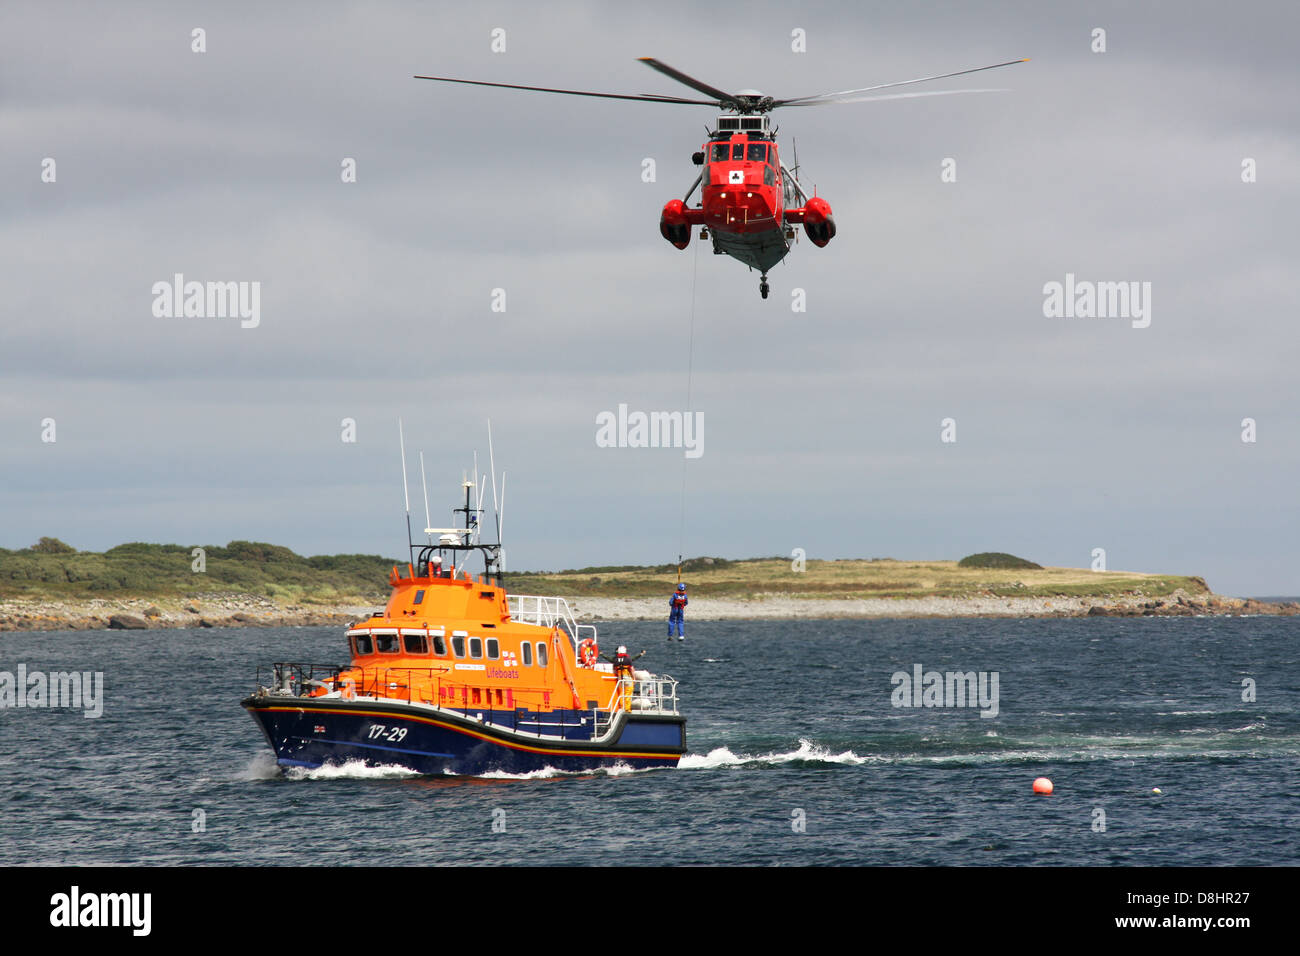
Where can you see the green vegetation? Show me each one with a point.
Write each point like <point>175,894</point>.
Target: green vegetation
<point>877,578</point>
<point>52,546</point>
<point>996,559</point>
<point>52,569</point>
<point>164,571</point>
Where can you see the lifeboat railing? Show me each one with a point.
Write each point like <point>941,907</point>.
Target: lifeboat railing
<point>548,612</point>
<point>643,695</point>
<point>289,679</point>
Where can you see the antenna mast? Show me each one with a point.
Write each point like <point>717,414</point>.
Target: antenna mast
<point>425,488</point>
<point>406,494</point>
<point>496,512</point>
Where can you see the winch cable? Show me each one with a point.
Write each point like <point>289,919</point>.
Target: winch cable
<point>690,371</point>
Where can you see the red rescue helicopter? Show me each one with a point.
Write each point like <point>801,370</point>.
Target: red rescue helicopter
<point>750,201</point>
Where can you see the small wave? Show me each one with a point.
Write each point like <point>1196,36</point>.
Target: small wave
<point>351,770</point>
<point>807,751</point>
<point>547,773</point>
<point>1257,725</point>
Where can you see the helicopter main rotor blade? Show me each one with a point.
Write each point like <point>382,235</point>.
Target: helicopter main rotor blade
<point>547,89</point>
<point>721,97</point>
<point>842,96</point>
<point>898,96</point>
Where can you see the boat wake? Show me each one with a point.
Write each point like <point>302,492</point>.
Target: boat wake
<point>548,773</point>
<point>808,753</point>
<point>994,749</point>
<point>264,767</point>
<point>351,770</point>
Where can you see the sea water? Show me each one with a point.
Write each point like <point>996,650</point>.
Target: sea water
<point>803,749</point>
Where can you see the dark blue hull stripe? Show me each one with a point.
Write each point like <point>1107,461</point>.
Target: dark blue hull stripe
<point>396,750</point>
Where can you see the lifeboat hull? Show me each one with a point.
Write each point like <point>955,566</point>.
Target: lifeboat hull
<point>312,732</point>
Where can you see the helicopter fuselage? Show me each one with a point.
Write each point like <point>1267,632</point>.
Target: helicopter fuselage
<point>749,204</point>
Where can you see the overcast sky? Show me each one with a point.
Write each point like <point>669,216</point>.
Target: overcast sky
<point>822,429</point>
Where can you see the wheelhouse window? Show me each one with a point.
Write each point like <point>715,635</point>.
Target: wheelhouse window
<point>419,597</point>
<point>526,653</point>
<point>458,644</point>
<point>756,153</point>
<point>439,645</point>
<point>541,654</point>
<point>415,643</point>
<point>387,643</point>
<point>363,645</point>
<point>493,648</point>
<point>476,647</point>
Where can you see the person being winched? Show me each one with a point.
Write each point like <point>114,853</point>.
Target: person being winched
<point>677,613</point>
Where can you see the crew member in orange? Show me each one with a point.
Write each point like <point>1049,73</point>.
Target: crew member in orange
<point>623,661</point>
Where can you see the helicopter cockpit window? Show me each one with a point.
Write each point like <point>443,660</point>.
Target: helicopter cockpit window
<point>757,153</point>
<point>737,151</point>
<point>720,152</point>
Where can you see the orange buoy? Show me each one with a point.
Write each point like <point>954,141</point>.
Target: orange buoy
<point>1042,785</point>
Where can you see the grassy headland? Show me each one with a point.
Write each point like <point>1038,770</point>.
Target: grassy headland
<point>757,578</point>
<point>53,571</point>
<point>52,585</point>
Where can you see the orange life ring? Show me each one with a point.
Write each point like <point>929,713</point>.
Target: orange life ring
<point>587,652</point>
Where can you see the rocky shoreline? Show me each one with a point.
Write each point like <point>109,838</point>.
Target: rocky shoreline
<point>226,610</point>
<point>242,610</point>
<point>784,607</point>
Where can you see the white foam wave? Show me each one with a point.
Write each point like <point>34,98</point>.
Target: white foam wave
<point>351,770</point>
<point>1257,725</point>
<point>546,773</point>
<point>722,757</point>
